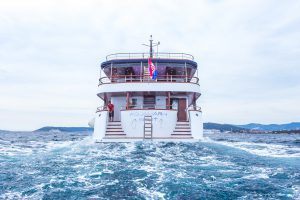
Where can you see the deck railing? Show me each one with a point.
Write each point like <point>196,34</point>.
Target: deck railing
<point>147,107</point>
<point>159,55</point>
<point>141,78</point>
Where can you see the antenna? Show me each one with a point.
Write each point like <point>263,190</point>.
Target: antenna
<point>151,46</point>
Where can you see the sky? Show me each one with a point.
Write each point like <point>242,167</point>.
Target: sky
<point>248,54</point>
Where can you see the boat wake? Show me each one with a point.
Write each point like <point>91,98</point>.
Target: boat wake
<point>261,149</point>
<point>68,165</point>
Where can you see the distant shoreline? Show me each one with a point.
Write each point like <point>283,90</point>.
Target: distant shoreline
<point>206,131</point>
<point>289,128</point>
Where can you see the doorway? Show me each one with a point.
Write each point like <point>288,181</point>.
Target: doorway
<point>179,104</point>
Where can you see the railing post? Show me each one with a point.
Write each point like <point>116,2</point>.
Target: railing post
<point>111,71</point>
<point>141,71</point>
<point>169,101</point>
<point>185,69</point>
<point>127,100</point>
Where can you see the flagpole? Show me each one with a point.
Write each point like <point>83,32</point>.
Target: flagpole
<point>151,46</point>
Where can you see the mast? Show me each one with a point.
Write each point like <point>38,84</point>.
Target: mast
<point>151,46</point>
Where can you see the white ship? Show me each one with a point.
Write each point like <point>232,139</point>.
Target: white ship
<point>163,107</point>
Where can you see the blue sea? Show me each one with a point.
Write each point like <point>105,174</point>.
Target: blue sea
<point>51,165</point>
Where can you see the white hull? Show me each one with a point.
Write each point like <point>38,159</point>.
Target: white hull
<point>131,128</point>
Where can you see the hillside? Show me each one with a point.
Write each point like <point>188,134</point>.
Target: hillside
<point>63,129</point>
<point>271,127</point>
<point>223,127</point>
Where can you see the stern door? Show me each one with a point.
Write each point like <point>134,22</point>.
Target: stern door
<point>182,116</point>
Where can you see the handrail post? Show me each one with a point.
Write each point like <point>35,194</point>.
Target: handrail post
<point>185,69</point>
<point>141,71</point>
<point>111,71</point>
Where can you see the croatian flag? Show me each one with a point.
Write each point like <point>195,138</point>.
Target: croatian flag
<point>152,69</point>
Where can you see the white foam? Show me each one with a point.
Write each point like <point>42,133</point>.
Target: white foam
<point>213,161</point>
<point>263,149</point>
<point>296,191</point>
<point>151,194</point>
<point>256,176</point>
<point>11,195</point>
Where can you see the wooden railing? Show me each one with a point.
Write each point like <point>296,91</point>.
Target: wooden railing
<point>141,78</point>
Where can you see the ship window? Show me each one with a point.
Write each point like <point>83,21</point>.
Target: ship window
<point>133,103</point>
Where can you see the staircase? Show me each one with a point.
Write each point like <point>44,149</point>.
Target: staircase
<point>114,130</point>
<point>149,102</point>
<point>182,130</point>
<point>146,74</point>
<point>148,127</point>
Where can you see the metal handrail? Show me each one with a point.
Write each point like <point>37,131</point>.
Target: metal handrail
<point>195,108</point>
<point>141,78</point>
<point>101,108</point>
<point>116,56</point>
<point>146,107</point>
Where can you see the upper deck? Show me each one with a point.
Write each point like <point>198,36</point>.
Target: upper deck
<point>176,65</point>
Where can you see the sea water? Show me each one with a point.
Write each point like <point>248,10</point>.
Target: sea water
<point>49,165</point>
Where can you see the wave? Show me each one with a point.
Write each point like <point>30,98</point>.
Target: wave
<point>56,164</point>
<point>260,149</point>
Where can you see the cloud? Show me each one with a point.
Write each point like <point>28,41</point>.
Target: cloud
<point>50,53</point>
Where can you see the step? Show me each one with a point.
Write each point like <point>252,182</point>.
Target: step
<point>183,134</point>
<point>115,131</point>
<point>114,136</point>
<point>183,131</point>
<point>183,122</point>
<point>114,125</point>
<point>114,128</point>
<point>182,127</point>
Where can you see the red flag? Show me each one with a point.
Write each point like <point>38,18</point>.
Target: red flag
<point>152,69</point>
